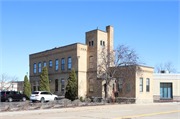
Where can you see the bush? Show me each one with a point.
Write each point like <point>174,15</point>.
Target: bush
<point>81,99</point>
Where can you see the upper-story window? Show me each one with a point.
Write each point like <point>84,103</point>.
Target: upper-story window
<point>44,64</point>
<point>141,85</point>
<point>39,67</point>
<point>35,68</point>
<point>62,64</point>
<point>57,62</point>
<point>50,63</point>
<point>69,62</point>
<point>147,85</point>
<point>92,43</point>
<point>91,62</point>
<point>56,85</point>
<point>101,42</point>
<point>89,43</point>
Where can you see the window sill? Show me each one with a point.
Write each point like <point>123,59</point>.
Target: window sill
<point>166,98</point>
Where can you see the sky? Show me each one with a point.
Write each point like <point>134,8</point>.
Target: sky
<point>150,27</point>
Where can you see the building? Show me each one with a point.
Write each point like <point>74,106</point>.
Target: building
<point>84,58</point>
<point>166,87</point>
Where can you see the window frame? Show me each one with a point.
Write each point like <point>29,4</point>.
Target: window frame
<point>56,64</point>
<point>91,86</point>
<point>63,64</point>
<point>147,85</point>
<point>50,63</point>
<point>120,84</point>
<point>56,85</point>
<point>44,63</point>
<point>62,85</point>
<point>35,68</point>
<point>140,85</point>
<point>89,43</point>
<point>69,63</point>
<point>39,67</point>
<point>92,43</point>
<point>101,42</point>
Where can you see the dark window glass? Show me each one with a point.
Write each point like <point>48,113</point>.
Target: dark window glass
<point>100,42</point>
<point>147,85</point>
<point>35,93</point>
<point>50,63</point>
<point>56,85</point>
<point>39,67</point>
<point>35,68</point>
<point>34,88</point>
<point>141,85</point>
<point>89,43</point>
<point>103,43</point>
<point>69,63</point>
<point>92,43</point>
<point>62,84</point>
<point>104,87</point>
<point>57,62</point>
<point>62,64</point>
<point>44,64</point>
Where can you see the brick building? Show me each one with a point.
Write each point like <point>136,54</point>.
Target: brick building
<point>84,58</point>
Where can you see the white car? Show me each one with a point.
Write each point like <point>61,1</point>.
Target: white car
<point>42,96</point>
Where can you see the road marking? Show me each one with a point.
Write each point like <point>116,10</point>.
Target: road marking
<point>147,114</point>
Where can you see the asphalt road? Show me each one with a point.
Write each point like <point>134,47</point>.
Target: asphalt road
<point>128,111</point>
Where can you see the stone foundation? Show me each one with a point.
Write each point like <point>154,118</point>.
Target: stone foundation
<point>157,97</point>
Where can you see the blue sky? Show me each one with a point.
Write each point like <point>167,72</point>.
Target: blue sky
<point>27,27</point>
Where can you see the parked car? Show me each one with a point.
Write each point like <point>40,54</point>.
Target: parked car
<point>42,96</point>
<point>12,95</point>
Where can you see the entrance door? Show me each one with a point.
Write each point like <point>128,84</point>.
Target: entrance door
<point>166,90</point>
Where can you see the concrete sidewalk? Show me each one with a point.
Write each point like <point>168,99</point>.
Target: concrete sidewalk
<point>60,110</point>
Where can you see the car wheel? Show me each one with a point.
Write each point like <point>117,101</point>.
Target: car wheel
<point>42,100</point>
<point>23,99</point>
<point>10,99</point>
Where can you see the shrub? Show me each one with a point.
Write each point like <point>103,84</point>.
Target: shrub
<point>81,99</point>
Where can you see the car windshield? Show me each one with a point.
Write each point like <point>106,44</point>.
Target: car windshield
<point>35,93</point>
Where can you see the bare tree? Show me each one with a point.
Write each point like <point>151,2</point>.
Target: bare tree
<point>6,82</point>
<point>117,63</point>
<point>168,66</point>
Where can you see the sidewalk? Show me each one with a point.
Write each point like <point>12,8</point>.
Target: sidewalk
<point>60,110</point>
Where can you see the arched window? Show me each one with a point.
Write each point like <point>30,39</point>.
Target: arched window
<point>39,67</point>
<point>57,63</point>
<point>101,42</point>
<point>44,63</point>
<point>56,85</point>
<point>147,85</point>
<point>69,62</point>
<point>62,84</point>
<point>91,62</point>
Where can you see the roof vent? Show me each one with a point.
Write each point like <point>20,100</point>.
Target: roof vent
<point>165,71</point>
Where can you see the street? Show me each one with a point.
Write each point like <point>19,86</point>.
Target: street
<point>129,111</point>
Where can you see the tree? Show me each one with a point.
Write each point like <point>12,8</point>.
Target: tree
<point>27,87</point>
<point>44,81</point>
<point>71,88</point>
<point>168,66</point>
<point>113,63</point>
<point>6,82</point>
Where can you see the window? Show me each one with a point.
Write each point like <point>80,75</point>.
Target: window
<point>91,62</point>
<point>90,87</point>
<point>44,64</point>
<point>92,43</point>
<point>147,85</point>
<point>69,63</point>
<point>101,42</point>
<point>141,85</point>
<point>62,64</point>
<point>35,68</point>
<point>39,67</point>
<point>34,86</point>
<point>56,67</point>
<point>120,84</point>
<point>50,63</point>
<point>128,87</point>
<point>89,43</point>
<point>166,90</point>
<point>62,84</point>
<point>56,85</point>
<point>104,87</point>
